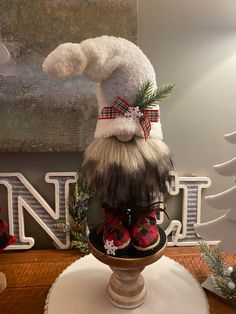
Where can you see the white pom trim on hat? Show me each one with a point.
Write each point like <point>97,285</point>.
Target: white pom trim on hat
<point>119,126</point>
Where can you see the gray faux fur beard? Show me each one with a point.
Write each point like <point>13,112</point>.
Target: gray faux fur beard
<point>120,172</point>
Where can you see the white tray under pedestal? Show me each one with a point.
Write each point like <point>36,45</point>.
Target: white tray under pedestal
<point>81,289</point>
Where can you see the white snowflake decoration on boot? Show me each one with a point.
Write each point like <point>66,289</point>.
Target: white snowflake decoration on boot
<point>110,247</point>
<point>134,113</point>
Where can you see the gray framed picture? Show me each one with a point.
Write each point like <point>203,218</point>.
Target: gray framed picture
<point>38,114</point>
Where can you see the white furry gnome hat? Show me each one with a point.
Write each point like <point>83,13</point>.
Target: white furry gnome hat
<point>125,79</point>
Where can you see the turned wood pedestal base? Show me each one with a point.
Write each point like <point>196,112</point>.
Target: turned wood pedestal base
<point>126,288</point>
<point>81,288</point>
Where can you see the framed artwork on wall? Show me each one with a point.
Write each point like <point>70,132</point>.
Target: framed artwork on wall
<point>38,114</point>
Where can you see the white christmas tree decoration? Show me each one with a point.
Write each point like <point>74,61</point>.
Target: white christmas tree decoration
<point>231,137</point>
<point>227,168</point>
<point>222,229</point>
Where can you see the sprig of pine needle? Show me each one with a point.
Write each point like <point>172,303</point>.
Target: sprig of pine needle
<point>147,97</point>
<point>77,225</point>
<point>220,276</point>
<point>221,285</point>
<point>213,258</point>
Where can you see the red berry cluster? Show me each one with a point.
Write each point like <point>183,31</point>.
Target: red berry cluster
<point>5,238</point>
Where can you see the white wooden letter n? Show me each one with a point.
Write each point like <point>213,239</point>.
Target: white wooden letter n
<point>23,196</point>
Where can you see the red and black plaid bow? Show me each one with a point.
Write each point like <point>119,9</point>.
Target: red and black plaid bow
<point>121,108</point>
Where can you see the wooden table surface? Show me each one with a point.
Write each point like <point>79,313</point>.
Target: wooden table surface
<point>31,273</point>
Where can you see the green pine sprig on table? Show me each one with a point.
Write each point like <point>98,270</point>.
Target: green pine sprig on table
<point>220,275</point>
<point>147,97</point>
<point>213,258</point>
<point>221,285</point>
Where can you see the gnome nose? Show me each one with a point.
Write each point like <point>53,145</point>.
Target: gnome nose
<point>125,137</point>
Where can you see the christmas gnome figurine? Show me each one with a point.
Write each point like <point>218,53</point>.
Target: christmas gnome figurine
<point>127,164</point>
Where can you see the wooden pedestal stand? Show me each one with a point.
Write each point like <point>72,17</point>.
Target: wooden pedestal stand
<point>126,288</point>
<point>81,287</point>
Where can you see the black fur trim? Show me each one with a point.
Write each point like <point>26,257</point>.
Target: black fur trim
<point>116,184</point>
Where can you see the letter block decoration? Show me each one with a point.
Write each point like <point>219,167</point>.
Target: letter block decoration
<point>182,233</point>
<point>23,196</point>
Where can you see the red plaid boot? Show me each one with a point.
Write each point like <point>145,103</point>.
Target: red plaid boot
<point>116,231</point>
<point>145,235</point>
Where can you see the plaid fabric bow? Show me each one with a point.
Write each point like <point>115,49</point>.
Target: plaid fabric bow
<point>121,108</point>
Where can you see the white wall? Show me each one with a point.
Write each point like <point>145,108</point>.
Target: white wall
<point>193,44</point>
